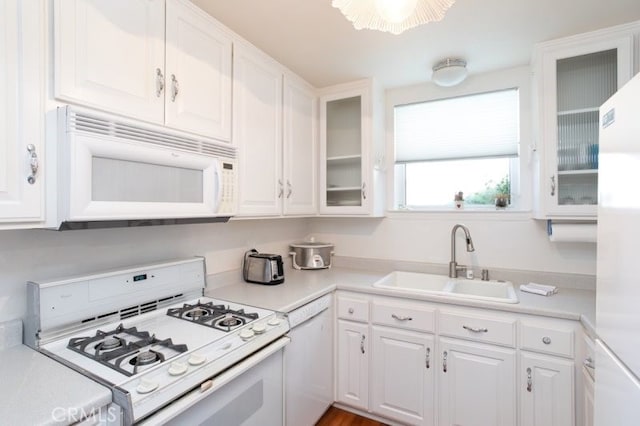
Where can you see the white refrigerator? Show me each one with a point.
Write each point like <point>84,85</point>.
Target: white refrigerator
<point>617,390</point>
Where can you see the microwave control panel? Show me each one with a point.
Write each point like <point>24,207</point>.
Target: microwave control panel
<point>228,176</point>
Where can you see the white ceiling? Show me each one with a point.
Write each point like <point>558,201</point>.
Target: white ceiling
<point>315,40</point>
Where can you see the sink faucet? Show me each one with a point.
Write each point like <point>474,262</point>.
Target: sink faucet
<point>453,265</point>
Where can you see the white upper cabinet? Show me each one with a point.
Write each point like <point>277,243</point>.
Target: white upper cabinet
<point>22,59</point>
<point>351,150</point>
<point>300,148</point>
<point>198,73</point>
<point>574,76</point>
<point>257,132</point>
<point>274,129</point>
<point>112,55</point>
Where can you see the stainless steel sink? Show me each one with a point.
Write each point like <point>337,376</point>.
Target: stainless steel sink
<point>419,283</point>
<point>494,291</point>
<point>413,282</point>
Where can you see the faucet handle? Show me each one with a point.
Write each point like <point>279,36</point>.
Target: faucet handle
<point>485,275</point>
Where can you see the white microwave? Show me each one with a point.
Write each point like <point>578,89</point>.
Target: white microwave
<point>117,172</point>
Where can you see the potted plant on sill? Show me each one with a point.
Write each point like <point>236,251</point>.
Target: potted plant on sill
<point>503,193</point>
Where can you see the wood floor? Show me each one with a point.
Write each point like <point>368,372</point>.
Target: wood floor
<point>337,417</point>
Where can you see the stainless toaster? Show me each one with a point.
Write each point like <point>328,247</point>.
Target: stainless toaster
<point>262,268</point>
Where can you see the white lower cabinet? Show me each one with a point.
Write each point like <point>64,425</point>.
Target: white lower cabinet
<point>589,394</point>
<point>546,391</point>
<point>402,378</point>
<point>477,384</point>
<point>353,364</point>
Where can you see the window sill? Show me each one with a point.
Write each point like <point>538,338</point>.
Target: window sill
<point>467,213</point>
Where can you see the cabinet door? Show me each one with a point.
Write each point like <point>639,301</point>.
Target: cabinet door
<point>402,380</point>
<point>110,55</point>
<point>22,55</point>
<point>577,79</point>
<point>477,384</point>
<point>546,391</point>
<point>300,147</point>
<point>198,72</point>
<point>345,132</point>
<point>257,131</point>
<point>352,374</point>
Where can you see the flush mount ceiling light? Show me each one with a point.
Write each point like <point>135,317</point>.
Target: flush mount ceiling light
<point>449,72</point>
<point>393,16</point>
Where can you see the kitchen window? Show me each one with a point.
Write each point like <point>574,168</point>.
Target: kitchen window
<point>465,144</point>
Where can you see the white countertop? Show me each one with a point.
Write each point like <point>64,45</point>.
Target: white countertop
<point>301,287</point>
<point>37,390</point>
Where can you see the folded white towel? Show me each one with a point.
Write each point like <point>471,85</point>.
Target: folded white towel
<point>536,290</point>
<point>551,288</point>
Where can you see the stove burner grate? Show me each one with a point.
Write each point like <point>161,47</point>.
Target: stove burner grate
<point>219,317</point>
<point>113,347</point>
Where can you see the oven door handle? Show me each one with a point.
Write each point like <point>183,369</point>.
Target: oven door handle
<point>213,384</point>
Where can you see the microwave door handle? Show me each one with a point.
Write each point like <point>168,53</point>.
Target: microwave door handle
<point>220,184</point>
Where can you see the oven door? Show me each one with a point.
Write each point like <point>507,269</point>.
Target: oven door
<point>249,394</point>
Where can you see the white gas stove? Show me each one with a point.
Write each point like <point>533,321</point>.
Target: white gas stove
<point>147,331</point>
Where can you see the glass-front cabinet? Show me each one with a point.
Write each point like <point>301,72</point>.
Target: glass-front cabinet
<point>574,76</point>
<point>350,150</point>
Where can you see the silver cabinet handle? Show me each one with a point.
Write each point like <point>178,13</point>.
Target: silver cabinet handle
<point>427,360</point>
<point>281,191</point>
<point>33,163</point>
<point>362,344</point>
<point>444,361</point>
<point>289,189</point>
<point>364,190</point>
<point>553,185</point>
<point>159,82</point>
<point>394,316</point>
<point>529,381</point>
<point>475,330</point>
<point>175,87</point>
<point>351,311</point>
<point>546,340</point>
<point>589,363</point>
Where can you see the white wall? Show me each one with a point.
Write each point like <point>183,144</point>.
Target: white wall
<point>41,254</point>
<point>516,243</point>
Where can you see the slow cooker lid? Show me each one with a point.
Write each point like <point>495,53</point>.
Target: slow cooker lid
<point>310,245</point>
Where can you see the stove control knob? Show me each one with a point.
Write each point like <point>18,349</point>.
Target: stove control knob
<point>146,386</point>
<point>247,334</point>
<point>177,368</point>
<point>197,359</point>
<point>259,328</point>
<point>274,321</point>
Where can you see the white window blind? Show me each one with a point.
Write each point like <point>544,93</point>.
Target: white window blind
<point>476,126</point>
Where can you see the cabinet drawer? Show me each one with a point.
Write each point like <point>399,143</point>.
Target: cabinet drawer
<point>500,331</point>
<point>556,341</point>
<point>353,309</point>
<point>398,314</point>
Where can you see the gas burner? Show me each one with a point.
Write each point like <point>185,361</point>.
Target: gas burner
<point>219,317</point>
<point>110,343</point>
<point>125,349</point>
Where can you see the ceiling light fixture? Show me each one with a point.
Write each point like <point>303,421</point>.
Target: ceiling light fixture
<point>449,72</point>
<point>393,16</point>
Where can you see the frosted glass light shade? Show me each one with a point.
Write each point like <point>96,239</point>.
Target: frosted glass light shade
<point>449,72</point>
<point>393,16</point>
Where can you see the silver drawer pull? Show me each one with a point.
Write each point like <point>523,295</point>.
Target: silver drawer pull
<point>529,380</point>
<point>475,330</point>
<point>546,340</point>
<point>394,316</point>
